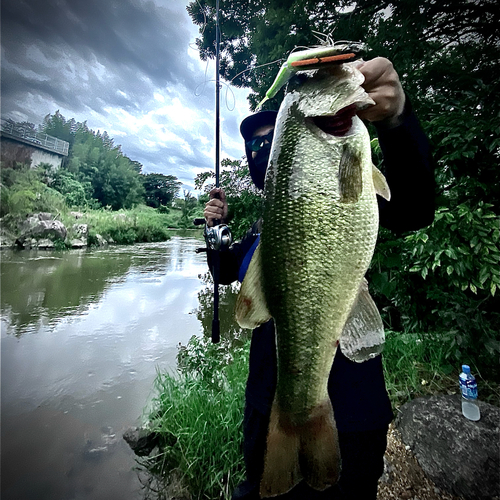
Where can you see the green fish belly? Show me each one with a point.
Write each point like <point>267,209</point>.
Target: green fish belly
<point>316,249</point>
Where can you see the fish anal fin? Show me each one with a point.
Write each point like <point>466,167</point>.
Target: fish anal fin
<point>380,183</point>
<point>251,308</point>
<point>308,451</point>
<point>363,333</point>
<point>350,175</point>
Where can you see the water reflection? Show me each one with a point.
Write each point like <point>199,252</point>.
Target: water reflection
<point>83,334</point>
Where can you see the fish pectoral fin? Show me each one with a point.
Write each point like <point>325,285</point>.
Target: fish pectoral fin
<point>350,175</point>
<point>309,451</point>
<point>380,183</point>
<point>251,307</point>
<point>363,335</point>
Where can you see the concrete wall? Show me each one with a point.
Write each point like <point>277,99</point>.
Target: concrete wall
<point>13,151</point>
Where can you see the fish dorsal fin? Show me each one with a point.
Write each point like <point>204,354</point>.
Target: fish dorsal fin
<point>363,334</point>
<point>380,183</point>
<point>350,175</point>
<point>251,307</point>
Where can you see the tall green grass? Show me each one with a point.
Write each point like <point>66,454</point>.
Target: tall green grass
<point>123,227</point>
<point>198,412</point>
<point>418,364</point>
<point>202,406</point>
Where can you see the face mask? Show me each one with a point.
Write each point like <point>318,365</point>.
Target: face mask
<point>258,166</point>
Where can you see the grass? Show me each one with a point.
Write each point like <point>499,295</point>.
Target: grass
<point>138,225</point>
<point>202,408</point>
<point>198,412</point>
<point>421,365</point>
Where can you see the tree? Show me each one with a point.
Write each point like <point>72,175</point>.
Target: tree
<point>244,200</point>
<point>160,189</point>
<point>447,54</point>
<point>57,126</point>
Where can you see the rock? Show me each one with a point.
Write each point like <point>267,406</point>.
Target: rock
<point>78,243</point>
<point>142,441</point>
<point>81,230</point>
<point>460,456</point>
<point>45,244</point>
<point>42,229</point>
<point>44,216</point>
<point>6,241</point>
<point>76,215</point>
<point>81,233</point>
<point>100,240</point>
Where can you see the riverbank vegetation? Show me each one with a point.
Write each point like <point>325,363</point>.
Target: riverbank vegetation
<point>100,183</point>
<point>199,411</point>
<point>437,288</point>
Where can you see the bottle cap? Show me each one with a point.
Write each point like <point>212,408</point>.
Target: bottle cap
<point>466,368</point>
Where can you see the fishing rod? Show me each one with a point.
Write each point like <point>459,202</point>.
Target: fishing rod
<point>218,237</point>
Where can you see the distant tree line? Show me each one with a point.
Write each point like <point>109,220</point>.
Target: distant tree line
<point>96,172</point>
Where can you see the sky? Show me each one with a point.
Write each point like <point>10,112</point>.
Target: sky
<point>128,67</point>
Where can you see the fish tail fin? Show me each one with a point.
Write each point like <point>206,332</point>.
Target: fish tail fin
<point>307,451</point>
<point>281,463</point>
<point>320,452</point>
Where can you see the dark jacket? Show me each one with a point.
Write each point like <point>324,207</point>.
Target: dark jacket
<point>357,390</point>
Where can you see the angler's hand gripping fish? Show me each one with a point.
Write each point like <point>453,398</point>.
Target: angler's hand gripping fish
<point>319,231</point>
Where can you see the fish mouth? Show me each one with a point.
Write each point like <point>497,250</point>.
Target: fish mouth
<point>338,124</point>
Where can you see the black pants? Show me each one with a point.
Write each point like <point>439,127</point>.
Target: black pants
<point>362,463</point>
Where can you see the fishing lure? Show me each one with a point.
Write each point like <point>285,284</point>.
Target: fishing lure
<point>309,59</point>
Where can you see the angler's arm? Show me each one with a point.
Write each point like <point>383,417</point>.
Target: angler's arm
<point>409,170</point>
<point>408,162</point>
<point>229,260</point>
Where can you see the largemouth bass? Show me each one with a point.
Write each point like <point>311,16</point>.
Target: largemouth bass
<point>319,231</point>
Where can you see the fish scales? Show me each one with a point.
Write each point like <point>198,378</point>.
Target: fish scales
<point>319,231</point>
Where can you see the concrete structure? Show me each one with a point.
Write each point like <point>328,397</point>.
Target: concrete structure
<point>23,145</point>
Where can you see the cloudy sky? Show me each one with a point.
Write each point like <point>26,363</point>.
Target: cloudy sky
<point>125,66</point>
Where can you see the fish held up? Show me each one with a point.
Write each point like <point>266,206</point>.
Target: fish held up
<point>318,235</point>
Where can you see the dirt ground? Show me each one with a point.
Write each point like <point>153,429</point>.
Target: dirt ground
<point>403,478</point>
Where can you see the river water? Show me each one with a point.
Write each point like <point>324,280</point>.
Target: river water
<point>82,335</point>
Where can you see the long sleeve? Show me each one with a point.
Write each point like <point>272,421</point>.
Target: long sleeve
<point>230,260</point>
<point>409,170</point>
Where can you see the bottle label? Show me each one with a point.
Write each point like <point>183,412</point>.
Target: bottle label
<point>469,389</point>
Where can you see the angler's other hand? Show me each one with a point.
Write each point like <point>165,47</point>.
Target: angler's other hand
<point>216,208</point>
<point>383,86</point>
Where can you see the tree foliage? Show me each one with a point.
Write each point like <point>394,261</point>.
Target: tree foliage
<point>244,200</point>
<point>444,277</point>
<point>160,189</point>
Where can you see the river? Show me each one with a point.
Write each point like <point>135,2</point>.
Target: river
<point>82,335</point>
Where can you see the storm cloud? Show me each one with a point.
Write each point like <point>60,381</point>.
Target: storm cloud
<point>124,66</point>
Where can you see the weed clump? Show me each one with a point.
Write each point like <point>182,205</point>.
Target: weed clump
<point>202,408</point>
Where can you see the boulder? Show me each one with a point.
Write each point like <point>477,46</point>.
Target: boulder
<point>100,240</point>
<point>80,233</point>
<point>45,244</point>
<point>76,215</point>
<point>41,229</point>
<point>142,441</point>
<point>460,456</point>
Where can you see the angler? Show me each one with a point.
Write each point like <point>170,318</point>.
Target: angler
<point>356,390</point>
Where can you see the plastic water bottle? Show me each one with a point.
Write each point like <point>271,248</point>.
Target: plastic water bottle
<point>468,386</point>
